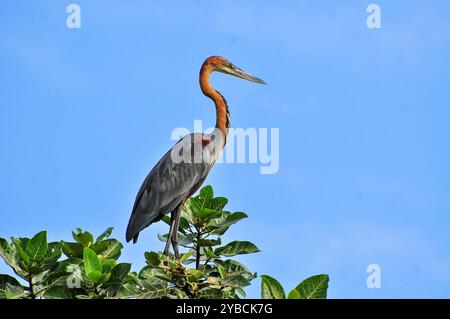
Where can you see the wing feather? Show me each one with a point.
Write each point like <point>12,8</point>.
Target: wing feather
<point>167,184</point>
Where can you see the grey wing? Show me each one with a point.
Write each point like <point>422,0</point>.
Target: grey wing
<point>167,184</point>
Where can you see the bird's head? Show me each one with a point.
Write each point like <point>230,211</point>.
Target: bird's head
<point>220,64</point>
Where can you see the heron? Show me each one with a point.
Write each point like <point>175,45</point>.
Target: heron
<point>184,168</point>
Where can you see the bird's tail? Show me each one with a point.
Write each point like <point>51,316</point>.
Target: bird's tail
<point>131,234</point>
<point>138,222</point>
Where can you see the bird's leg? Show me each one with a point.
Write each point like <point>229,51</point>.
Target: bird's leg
<point>169,236</point>
<point>176,214</point>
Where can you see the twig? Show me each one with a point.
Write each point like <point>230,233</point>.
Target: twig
<point>198,255</point>
<point>30,286</point>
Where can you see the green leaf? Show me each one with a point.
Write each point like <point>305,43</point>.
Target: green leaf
<point>107,265</point>
<point>95,276</point>
<point>72,250</point>
<point>184,224</point>
<point>235,281</point>
<point>232,266</point>
<point>218,203</point>
<point>178,293</point>
<point>14,292</point>
<point>104,235</point>
<point>104,277</point>
<point>152,258</point>
<point>210,293</point>
<point>194,275</point>
<point>57,274</point>
<point>220,225</point>
<point>6,279</point>
<point>182,239</point>
<point>314,287</point>
<point>156,275</point>
<point>121,270</point>
<point>206,195</point>
<point>237,248</point>
<point>213,281</point>
<point>229,292</point>
<point>294,294</point>
<point>128,290</point>
<point>166,219</point>
<point>61,292</point>
<point>185,256</point>
<point>155,292</point>
<point>153,279</point>
<point>53,253</point>
<point>241,292</point>
<point>222,271</point>
<point>8,254</point>
<point>37,246</point>
<point>208,252</point>
<point>84,238</point>
<point>108,249</point>
<point>271,288</point>
<point>23,241</point>
<point>210,242</point>
<point>18,245</point>
<point>191,205</point>
<point>92,265</point>
<point>206,213</point>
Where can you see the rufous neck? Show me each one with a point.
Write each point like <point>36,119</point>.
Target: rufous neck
<point>219,101</point>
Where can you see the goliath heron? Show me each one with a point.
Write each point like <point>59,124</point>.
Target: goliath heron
<point>184,168</point>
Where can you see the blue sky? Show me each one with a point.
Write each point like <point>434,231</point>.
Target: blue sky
<point>363,117</point>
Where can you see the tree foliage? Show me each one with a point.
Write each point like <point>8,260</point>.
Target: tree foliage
<point>88,268</point>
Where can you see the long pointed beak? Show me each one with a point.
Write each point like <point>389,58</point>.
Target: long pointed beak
<point>235,71</point>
